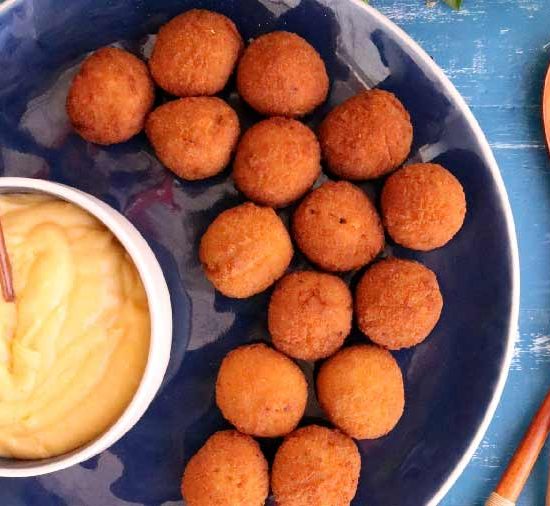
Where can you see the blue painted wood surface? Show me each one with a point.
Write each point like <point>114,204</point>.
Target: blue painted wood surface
<point>496,53</point>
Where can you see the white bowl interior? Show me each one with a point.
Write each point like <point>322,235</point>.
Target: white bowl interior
<point>160,309</point>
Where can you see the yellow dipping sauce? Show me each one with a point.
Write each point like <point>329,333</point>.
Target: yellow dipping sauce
<point>74,345</point>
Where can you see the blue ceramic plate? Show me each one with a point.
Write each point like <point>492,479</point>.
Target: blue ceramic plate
<point>453,380</point>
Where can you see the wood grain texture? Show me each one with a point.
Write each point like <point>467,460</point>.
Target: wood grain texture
<point>496,53</point>
<point>521,464</point>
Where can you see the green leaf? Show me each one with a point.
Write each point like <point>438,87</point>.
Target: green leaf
<point>455,4</point>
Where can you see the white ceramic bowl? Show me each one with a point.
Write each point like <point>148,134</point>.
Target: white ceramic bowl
<point>161,323</point>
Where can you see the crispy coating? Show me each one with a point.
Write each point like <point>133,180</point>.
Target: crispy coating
<point>366,136</point>
<point>229,470</point>
<point>310,314</point>
<point>245,250</point>
<point>423,206</point>
<point>337,227</point>
<point>194,137</point>
<point>281,74</point>
<point>398,303</point>
<point>277,161</point>
<point>261,391</point>
<point>361,391</point>
<point>110,96</point>
<point>195,53</point>
<point>316,466</point>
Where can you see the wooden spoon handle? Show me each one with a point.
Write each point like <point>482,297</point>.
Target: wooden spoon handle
<point>546,108</point>
<point>496,500</point>
<point>513,480</point>
<point>5,270</point>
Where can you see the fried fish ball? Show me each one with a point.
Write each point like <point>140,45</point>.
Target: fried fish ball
<point>110,96</point>
<point>423,206</point>
<point>277,161</point>
<point>281,74</point>
<point>195,53</point>
<point>337,227</point>
<point>229,470</point>
<point>245,250</point>
<point>361,391</point>
<point>366,136</point>
<point>194,137</point>
<point>261,391</point>
<point>398,303</point>
<point>316,466</point>
<point>310,314</point>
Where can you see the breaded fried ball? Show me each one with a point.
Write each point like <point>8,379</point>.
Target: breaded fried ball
<point>281,74</point>
<point>194,137</point>
<point>361,391</point>
<point>195,53</point>
<point>277,161</point>
<point>245,250</point>
<point>366,136</point>
<point>229,470</point>
<point>423,206</point>
<point>398,303</point>
<point>310,314</point>
<point>315,466</point>
<point>337,227</point>
<point>110,96</point>
<point>261,391</point>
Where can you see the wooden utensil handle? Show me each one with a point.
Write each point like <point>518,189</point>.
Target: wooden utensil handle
<point>513,480</point>
<point>6,279</point>
<point>546,108</point>
<point>496,500</point>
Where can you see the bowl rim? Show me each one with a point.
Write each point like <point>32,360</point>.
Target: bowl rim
<point>160,309</point>
<point>489,158</point>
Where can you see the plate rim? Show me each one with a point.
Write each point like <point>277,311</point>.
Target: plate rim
<point>487,153</point>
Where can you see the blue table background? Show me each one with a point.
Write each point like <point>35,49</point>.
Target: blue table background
<point>496,52</point>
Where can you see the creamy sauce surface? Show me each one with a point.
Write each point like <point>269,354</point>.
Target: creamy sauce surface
<point>74,344</point>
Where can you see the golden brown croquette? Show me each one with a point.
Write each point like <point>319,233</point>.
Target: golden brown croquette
<point>315,466</point>
<point>366,136</point>
<point>337,227</point>
<point>229,470</point>
<point>398,303</point>
<point>194,137</point>
<point>361,391</point>
<point>110,96</point>
<point>281,74</point>
<point>245,250</point>
<point>261,391</point>
<point>277,161</point>
<point>195,53</point>
<point>310,314</point>
<point>423,206</point>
